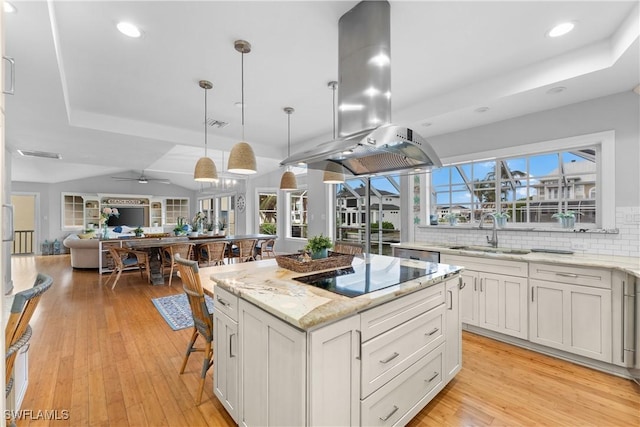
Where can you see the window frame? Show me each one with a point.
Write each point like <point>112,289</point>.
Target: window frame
<point>289,210</point>
<point>603,142</point>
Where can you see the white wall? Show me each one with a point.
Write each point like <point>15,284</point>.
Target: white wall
<point>620,113</point>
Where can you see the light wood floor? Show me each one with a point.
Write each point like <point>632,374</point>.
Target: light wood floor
<point>110,359</point>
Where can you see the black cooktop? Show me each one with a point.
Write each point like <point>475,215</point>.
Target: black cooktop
<point>366,277</point>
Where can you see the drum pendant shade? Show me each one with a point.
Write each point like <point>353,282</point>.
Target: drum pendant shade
<point>288,181</point>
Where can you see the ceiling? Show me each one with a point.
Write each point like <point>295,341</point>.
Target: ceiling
<point>113,105</point>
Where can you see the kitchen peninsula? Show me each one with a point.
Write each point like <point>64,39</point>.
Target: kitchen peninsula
<point>287,353</point>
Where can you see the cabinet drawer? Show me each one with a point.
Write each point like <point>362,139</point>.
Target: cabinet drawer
<point>488,265</point>
<point>388,354</point>
<point>225,302</point>
<point>583,276</point>
<point>385,317</point>
<point>388,405</point>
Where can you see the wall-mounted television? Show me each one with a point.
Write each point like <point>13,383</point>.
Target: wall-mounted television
<point>130,216</point>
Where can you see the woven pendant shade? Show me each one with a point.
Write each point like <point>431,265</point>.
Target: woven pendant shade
<point>205,170</point>
<point>288,181</point>
<point>242,160</point>
<point>333,174</point>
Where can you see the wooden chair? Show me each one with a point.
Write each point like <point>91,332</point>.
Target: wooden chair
<point>266,249</point>
<point>202,319</point>
<point>245,250</point>
<point>124,258</point>
<point>168,255</point>
<point>213,252</point>
<point>345,248</point>
<point>18,331</point>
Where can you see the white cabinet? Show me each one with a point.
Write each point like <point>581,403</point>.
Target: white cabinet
<point>334,374</point>
<point>453,348</point>
<point>494,295</point>
<point>574,317</point>
<point>225,348</point>
<point>272,370</point>
<point>377,367</point>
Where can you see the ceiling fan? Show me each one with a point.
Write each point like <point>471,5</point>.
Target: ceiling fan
<point>142,179</point>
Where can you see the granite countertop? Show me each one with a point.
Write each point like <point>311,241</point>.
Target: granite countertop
<point>630,265</point>
<point>306,307</point>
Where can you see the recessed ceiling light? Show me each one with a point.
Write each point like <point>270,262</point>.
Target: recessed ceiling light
<point>481,109</point>
<point>556,89</point>
<point>129,30</point>
<point>561,29</point>
<point>8,7</point>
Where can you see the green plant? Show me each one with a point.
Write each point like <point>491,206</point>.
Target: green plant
<point>222,224</point>
<point>268,228</point>
<point>567,214</point>
<point>138,231</point>
<point>317,243</point>
<point>451,216</point>
<point>181,226</point>
<point>501,215</point>
<point>198,221</point>
<point>210,226</point>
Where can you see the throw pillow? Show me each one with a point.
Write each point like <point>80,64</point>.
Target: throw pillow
<point>89,235</point>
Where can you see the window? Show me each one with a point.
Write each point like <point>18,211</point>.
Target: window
<point>531,189</point>
<point>73,211</point>
<point>176,208</point>
<point>268,212</point>
<point>220,211</point>
<point>298,209</point>
<point>385,213</point>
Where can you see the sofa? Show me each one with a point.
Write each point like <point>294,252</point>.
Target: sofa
<point>85,252</point>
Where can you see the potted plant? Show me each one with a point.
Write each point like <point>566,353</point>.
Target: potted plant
<point>452,218</point>
<point>210,226</point>
<point>197,223</point>
<point>181,228</point>
<point>567,219</point>
<point>222,225</point>
<point>318,246</point>
<point>138,231</point>
<point>501,218</point>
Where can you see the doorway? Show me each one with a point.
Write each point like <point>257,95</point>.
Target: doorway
<point>24,224</point>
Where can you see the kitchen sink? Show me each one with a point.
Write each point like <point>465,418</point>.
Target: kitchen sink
<point>489,249</point>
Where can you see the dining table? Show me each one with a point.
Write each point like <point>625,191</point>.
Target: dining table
<point>153,245</point>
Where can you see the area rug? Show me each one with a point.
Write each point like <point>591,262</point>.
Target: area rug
<point>176,311</point>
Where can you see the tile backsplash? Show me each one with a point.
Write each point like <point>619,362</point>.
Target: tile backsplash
<point>624,243</point>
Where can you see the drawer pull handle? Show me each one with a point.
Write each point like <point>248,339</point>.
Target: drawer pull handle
<point>223,302</point>
<point>432,332</point>
<point>433,377</point>
<point>567,275</point>
<point>393,411</point>
<point>390,358</point>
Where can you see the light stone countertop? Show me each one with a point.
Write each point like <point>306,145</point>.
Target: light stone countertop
<point>306,307</point>
<point>630,265</point>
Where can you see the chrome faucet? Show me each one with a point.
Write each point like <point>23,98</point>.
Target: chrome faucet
<point>494,234</point>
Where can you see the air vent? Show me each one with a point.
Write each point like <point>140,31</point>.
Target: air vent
<point>217,123</point>
<point>43,154</point>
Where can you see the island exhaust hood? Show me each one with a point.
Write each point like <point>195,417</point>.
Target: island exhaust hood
<point>367,141</point>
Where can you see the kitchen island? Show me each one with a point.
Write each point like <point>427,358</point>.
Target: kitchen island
<point>287,353</point>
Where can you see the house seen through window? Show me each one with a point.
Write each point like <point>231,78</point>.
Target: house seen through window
<point>530,189</point>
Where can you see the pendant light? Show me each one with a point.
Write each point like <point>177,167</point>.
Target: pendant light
<point>288,180</point>
<point>205,170</point>
<point>333,173</point>
<point>241,159</point>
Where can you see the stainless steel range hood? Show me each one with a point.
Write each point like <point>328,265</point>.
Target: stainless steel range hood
<point>367,141</point>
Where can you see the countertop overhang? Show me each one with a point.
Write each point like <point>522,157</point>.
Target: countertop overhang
<point>306,307</point>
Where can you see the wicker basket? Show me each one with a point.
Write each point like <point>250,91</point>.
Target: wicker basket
<point>293,262</point>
